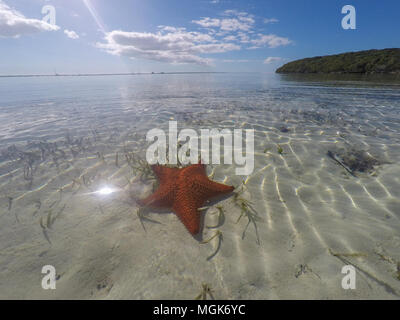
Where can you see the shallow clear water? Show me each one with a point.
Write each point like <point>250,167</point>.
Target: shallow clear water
<point>64,138</point>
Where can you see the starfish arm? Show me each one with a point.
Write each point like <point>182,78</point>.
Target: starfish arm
<point>164,173</point>
<point>194,169</point>
<point>186,209</point>
<point>209,188</point>
<point>163,197</point>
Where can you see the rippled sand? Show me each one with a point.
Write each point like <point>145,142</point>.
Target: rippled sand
<point>311,217</point>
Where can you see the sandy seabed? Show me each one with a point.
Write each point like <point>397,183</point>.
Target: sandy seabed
<point>310,218</point>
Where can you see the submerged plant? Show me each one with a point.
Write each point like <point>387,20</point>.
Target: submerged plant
<point>142,217</point>
<point>139,166</point>
<point>348,254</point>
<point>116,160</point>
<point>41,223</point>
<point>218,234</point>
<point>10,201</point>
<point>266,149</point>
<point>38,205</point>
<point>44,230</point>
<point>205,290</point>
<point>247,210</point>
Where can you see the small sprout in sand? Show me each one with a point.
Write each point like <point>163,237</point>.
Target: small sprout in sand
<point>100,156</point>
<point>38,204</point>
<point>140,212</point>
<point>139,166</point>
<point>53,203</point>
<point>74,182</point>
<point>87,182</point>
<point>386,258</point>
<point>28,170</point>
<point>49,220</point>
<point>41,223</point>
<point>304,268</point>
<point>251,214</point>
<point>348,254</point>
<point>218,234</point>
<point>240,190</point>
<point>280,150</point>
<point>116,160</point>
<point>205,290</point>
<point>10,200</point>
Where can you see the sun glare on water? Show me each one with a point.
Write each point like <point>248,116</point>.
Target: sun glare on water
<point>105,191</point>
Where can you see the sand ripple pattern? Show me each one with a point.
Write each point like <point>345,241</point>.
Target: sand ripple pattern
<point>62,140</point>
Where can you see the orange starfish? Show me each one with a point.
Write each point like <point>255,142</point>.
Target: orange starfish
<point>184,191</point>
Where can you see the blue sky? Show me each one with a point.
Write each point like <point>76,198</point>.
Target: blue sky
<point>91,36</point>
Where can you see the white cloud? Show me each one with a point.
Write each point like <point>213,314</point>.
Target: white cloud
<point>237,21</point>
<point>236,24</point>
<point>230,38</point>
<point>174,45</point>
<point>270,60</point>
<point>233,30</point>
<point>239,26</point>
<point>244,38</point>
<point>270,20</point>
<point>214,1</point>
<point>271,40</point>
<point>71,34</point>
<point>208,22</point>
<point>13,24</point>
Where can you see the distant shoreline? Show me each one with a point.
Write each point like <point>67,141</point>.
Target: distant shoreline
<point>97,74</point>
<point>384,61</point>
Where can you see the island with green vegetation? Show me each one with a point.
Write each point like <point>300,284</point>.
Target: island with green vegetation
<point>385,61</point>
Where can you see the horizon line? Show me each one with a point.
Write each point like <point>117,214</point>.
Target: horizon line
<point>103,74</point>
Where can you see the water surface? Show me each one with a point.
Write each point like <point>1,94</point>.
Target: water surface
<point>64,138</point>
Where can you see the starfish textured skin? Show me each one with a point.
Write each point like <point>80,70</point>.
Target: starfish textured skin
<point>184,191</point>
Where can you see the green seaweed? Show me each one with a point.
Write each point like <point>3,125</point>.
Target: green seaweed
<point>218,234</point>
<point>205,290</point>
<point>142,217</point>
<point>10,201</point>
<point>348,254</point>
<point>49,220</point>
<point>38,205</point>
<point>139,166</point>
<point>41,223</point>
<point>116,160</point>
<point>248,211</point>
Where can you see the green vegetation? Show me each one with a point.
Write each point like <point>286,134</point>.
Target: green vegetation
<point>205,290</point>
<point>363,62</point>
